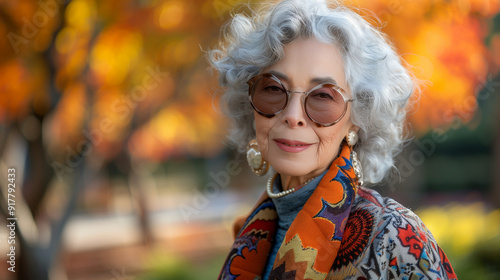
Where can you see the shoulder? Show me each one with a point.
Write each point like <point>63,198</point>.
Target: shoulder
<point>240,221</point>
<point>392,241</point>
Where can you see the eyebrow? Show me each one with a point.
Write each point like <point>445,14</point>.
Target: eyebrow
<point>317,80</point>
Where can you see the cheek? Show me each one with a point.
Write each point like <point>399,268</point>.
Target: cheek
<point>330,141</point>
<point>262,126</point>
<point>329,144</point>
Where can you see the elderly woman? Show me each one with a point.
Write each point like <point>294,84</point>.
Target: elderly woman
<point>319,94</point>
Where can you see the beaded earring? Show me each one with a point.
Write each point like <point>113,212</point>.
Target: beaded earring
<point>352,139</point>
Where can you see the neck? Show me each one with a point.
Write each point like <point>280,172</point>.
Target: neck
<point>288,181</point>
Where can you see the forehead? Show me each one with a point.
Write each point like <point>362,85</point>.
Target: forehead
<point>315,80</point>
<point>308,61</point>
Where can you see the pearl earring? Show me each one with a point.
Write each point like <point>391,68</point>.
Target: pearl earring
<point>352,138</point>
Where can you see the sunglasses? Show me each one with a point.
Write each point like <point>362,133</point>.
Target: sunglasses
<point>324,104</point>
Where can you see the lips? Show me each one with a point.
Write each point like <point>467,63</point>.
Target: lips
<point>291,145</point>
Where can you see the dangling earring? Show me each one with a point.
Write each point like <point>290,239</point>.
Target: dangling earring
<point>352,139</point>
<point>258,165</point>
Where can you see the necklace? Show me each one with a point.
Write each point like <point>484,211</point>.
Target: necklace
<point>283,193</point>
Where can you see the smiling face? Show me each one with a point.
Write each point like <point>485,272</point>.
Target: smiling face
<point>292,143</point>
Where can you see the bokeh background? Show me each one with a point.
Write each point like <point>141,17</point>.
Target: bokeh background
<point>108,113</point>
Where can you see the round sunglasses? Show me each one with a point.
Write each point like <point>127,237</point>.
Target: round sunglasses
<point>325,104</point>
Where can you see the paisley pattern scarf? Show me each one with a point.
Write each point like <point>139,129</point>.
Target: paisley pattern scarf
<point>313,240</point>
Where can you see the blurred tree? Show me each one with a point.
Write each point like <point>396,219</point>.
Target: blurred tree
<point>78,78</point>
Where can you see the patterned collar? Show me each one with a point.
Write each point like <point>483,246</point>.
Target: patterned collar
<point>313,239</point>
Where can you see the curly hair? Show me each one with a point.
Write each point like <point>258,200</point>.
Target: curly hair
<point>375,74</point>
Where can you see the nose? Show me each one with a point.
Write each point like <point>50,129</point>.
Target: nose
<point>294,114</point>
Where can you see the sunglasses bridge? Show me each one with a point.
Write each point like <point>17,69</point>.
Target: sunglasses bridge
<point>306,93</point>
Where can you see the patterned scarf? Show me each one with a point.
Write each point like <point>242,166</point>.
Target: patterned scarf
<point>313,239</point>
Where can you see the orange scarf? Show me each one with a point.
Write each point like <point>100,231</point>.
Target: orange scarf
<point>313,239</point>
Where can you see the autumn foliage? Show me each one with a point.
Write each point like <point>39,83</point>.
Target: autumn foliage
<point>86,68</point>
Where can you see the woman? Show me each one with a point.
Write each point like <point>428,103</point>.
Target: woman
<point>319,94</point>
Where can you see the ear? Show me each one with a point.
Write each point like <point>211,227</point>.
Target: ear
<point>355,128</point>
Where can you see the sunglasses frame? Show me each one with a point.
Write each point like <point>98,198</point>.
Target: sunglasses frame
<point>341,91</point>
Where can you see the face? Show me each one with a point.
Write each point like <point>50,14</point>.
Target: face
<point>291,142</point>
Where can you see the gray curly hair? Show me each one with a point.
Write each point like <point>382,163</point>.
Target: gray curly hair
<point>378,81</point>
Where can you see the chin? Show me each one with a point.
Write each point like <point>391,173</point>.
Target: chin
<point>294,168</point>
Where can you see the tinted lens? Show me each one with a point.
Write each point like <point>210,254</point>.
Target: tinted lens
<point>325,105</point>
<point>268,95</point>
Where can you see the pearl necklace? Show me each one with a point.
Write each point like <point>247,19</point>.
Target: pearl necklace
<point>283,193</point>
